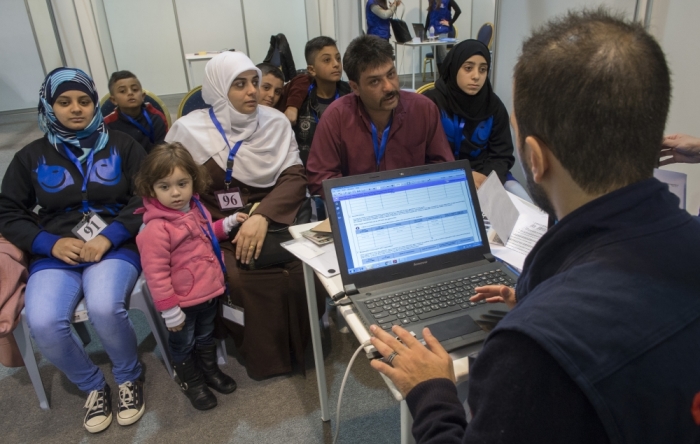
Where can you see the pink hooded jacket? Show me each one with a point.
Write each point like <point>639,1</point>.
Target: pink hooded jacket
<point>178,259</point>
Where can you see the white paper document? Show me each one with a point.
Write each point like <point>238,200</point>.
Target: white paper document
<point>518,223</point>
<point>320,258</point>
<point>676,183</point>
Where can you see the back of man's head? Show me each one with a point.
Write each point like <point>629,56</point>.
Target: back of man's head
<point>315,45</point>
<point>595,89</point>
<point>366,52</point>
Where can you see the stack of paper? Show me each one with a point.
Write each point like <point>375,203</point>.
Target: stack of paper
<point>518,224</point>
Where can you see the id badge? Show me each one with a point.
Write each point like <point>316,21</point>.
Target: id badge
<point>89,227</point>
<point>229,199</point>
<point>234,314</point>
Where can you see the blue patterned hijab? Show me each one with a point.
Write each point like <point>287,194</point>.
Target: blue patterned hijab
<point>94,135</point>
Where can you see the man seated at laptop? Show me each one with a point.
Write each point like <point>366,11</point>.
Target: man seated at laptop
<point>602,345</point>
<point>377,128</point>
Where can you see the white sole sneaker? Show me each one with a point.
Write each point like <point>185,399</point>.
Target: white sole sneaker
<point>99,414</point>
<point>131,403</point>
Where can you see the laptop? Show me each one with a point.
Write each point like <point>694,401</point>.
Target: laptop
<point>412,246</point>
<point>419,30</point>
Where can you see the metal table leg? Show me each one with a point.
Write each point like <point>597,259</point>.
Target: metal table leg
<point>316,341</point>
<point>406,424</point>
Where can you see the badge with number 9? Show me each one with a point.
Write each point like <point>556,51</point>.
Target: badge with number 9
<point>229,199</point>
<point>90,227</point>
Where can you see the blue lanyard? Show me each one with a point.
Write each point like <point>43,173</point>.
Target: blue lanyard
<point>232,151</point>
<point>213,239</point>
<point>86,175</point>
<point>458,133</point>
<point>308,93</point>
<point>379,149</point>
<point>150,134</point>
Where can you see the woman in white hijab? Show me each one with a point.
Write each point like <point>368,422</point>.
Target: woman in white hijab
<point>252,157</point>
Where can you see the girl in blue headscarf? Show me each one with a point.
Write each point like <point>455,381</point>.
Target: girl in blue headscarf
<point>68,200</point>
<point>474,119</point>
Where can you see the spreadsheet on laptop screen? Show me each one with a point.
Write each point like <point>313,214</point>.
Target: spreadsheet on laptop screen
<point>406,219</point>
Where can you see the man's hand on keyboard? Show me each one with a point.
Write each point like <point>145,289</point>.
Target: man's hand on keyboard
<point>412,362</point>
<point>495,293</point>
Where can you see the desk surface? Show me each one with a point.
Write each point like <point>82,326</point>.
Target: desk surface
<point>430,43</point>
<point>335,284</point>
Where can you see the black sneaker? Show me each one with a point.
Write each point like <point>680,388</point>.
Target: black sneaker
<point>99,414</point>
<point>131,404</point>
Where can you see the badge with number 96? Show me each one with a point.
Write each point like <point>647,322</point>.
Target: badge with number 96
<point>89,227</point>
<point>229,199</point>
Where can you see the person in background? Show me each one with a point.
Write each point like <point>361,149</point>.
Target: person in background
<point>588,354</point>
<point>81,176</point>
<point>378,127</point>
<point>315,90</point>
<point>265,168</point>
<point>132,115</point>
<point>378,13</point>
<point>271,84</point>
<point>679,148</point>
<point>181,276</point>
<point>475,120</point>
<point>441,19</point>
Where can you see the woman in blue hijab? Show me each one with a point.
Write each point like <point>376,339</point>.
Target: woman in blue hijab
<point>68,200</point>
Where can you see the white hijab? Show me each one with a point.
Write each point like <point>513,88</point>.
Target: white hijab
<point>269,146</point>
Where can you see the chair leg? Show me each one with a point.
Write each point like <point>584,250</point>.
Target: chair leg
<point>425,63</point>
<point>141,300</point>
<point>24,343</point>
<point>83,333</point>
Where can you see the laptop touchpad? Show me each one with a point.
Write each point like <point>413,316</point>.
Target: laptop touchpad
<point>453,328</point>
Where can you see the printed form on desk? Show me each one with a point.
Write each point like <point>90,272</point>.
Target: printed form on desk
<point>518,224</point>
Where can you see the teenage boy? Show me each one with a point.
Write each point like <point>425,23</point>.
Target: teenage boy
<point>132,115</point>
<point>602,343</point>
<point>377,128</point>
<point>308,95</point>
<point>271,84</point>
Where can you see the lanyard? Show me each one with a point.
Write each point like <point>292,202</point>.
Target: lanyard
<point>232,151</point>
<point>214,241</point>
<point>313,111</point>
<point>150,133</point>
<point>379,149</point>
<point>458,133</point>
<point>86,175</point>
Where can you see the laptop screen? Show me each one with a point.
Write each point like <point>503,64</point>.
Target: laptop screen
<point>405,219</point>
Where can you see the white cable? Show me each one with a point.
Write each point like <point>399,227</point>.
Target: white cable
<point>342,387</point>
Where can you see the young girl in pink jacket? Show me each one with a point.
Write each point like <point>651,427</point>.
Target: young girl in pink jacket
<point>179,248</point>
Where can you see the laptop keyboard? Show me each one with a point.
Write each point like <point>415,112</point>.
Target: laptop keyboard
<point>407,307</point>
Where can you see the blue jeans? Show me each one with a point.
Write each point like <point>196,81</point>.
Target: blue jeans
<point>198,329</point>
<point>50,299</point>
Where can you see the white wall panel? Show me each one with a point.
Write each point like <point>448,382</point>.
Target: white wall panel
<point>265,18</point>
<point>210,25</point>
<point>69,31</point>
<point>674,24</point>
<point>145,40</point>
<point>483,11</point>
<point>20,68</point>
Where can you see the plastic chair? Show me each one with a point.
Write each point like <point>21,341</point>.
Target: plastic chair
<point>139,299</point>
<point>192,101</point>
<point>485,34</point>
<point>106,105</point>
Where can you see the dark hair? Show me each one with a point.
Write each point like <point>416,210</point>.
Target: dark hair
<point>432,5</point>
<point>382,4</point>
<point>595,89</point>
<point>119,75</point>
<point>316,44</point>
<point>268,68</point>
<point>162,161</point>
<point>366,52</point>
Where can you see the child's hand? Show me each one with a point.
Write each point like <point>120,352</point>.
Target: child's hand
<point>178,328</point>
<point>292,114</point>
<point>241,217</point>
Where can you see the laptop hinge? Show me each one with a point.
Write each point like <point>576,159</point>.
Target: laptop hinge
<point>350,290</point>
<point>489,257</point>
